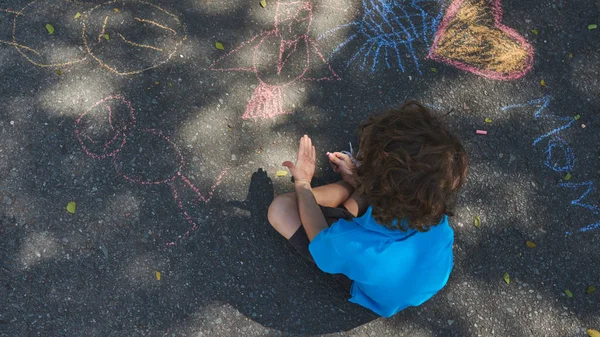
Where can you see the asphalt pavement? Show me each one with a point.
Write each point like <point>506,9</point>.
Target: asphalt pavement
<point>140,144</point>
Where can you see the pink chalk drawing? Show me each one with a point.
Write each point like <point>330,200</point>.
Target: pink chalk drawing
<point>280,57</point>
<point>471,37</point>
<point>102,132</point>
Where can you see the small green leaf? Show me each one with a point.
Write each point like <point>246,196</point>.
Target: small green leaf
<point>477,221</point>
<point>593,333</point>
<point>593,26</point>
<point>506,278</point>
<point>577,117</point>
<point>106,37</point>
<point>263,3</point>
<point>77,16</point>
<point>71,207</point>
<point>534,31</point>
<point>591,290</point>
<point>488,120</point>
<point>568,293</point>
<point>567,177</point>
<point>543,83</point>
<point>433,70</point>
<point>50,28</point>
<point>219,46</point>
<point>530,244</point>
<point>58,72</point>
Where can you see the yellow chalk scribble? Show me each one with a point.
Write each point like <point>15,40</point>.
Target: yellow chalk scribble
<point>475,38</point>
<point>20,46</point>
<point>103,29</point>
<point>157,25</point>
<point>22,15</point>
<point>11,12</point>
<point>109,59</point>
<point>138,44</point>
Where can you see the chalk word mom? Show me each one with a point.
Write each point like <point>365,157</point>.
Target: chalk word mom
<point>559,154</point>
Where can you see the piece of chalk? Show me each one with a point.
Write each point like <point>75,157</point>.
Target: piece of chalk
<point>481,132</point>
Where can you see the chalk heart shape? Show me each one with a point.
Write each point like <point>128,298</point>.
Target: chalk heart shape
<point>129,37</point>
<point>471,37</point>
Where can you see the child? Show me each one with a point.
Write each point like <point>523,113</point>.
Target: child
<point>384,227</point>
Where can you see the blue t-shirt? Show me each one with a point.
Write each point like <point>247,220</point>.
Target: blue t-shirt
<point>391,269</point>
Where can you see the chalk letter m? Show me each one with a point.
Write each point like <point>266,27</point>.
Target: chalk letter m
<point>579,202</point>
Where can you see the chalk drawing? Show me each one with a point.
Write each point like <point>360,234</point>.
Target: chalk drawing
<point>102,132</point>
<point>390,29</point>
<point>471,37</point>
<point>579,202</point>
<point>553,160</point>
<point>544,102</point>
<point>159,35</point>
<point>279,57</point>
<point>559,154</point>
<point>29,23</point>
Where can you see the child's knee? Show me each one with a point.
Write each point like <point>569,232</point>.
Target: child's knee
<point>280,206</point>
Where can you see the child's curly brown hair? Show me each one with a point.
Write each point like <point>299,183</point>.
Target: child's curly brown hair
<point>410,167</point>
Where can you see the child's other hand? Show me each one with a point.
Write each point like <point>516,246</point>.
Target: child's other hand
<point>342,164</point>
<point>304,169</point>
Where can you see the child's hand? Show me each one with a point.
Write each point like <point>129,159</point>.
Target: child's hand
<point>342,164</point>
<point>304,169</point>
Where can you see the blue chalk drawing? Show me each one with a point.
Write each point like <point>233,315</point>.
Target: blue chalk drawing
<point>579,202</point>
<point>391,27</point>
<point>544,102</point>
<point>553,162</point>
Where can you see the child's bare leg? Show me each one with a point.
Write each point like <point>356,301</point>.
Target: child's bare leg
<point>283,212</point>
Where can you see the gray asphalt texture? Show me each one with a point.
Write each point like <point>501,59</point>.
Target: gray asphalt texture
<point>93,273</point>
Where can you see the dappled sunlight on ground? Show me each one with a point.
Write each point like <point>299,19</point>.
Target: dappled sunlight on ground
<point>37,248</point>
<point>181,186</point>
<point>76,95</point>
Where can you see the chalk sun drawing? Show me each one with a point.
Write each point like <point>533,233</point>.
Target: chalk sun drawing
<point>471,37</point>
<point>390,29</point>
<point>280,57</point>
<point>105,33</point>
<point>559,154</point>
<point>103,131</point>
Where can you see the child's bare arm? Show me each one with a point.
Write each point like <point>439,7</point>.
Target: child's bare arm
<point>311,216</point>
<point>356,204</point>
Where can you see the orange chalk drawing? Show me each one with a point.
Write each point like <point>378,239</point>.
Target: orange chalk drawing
<point>472,37</point>
<point>58,50</point>
<point>158,35</point>
<point>104,34</point>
